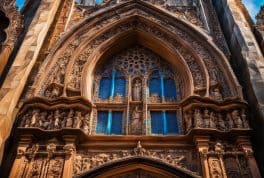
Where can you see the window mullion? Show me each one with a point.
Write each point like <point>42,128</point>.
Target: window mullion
<point>113,84</point>
<point>162,85</point>
<point>109,122</point>
<point>164,119</point>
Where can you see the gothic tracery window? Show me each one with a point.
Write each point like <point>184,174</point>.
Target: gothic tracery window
<point>126,89</point>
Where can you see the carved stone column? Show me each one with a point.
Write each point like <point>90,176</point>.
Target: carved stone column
<point>70,151</point>
<point>21,150</point>
<point>245,144</point>
<point>202,144</point>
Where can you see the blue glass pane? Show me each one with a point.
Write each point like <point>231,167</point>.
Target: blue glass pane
<point>104,88</point>
<point>98,1</point>
<point>102,120</point>
<point>20,3</point>
<point>118,73</point>
<point>116,127</point>
<point>155,74</point>
<point>169,88</point>
<point>156,122</point>
<point>172,125</point>
<point>120,86</point>
<point>155,86</point>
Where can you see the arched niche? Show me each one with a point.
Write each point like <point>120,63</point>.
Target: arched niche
<point>177,39</point>
<point>121,42</point>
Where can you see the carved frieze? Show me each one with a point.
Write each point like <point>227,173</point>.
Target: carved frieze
<point>221,120</point>
<point>185,159</point>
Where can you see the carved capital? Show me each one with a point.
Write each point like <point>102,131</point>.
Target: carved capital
<point>51,148</point>
<point>69,149</point>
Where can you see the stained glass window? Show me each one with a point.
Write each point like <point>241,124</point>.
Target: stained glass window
<point>112,85</point>
<point>109,122</point>
<point>155,84</point>
<point>169,89</point>
<point>164,122</point>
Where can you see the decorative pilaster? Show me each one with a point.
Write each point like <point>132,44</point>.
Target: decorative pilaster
<point>245,144</point>
<point>70,152</point>
<point>17,167</point>
<point>202,144</point>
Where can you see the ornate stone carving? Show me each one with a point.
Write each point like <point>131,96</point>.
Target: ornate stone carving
<point>236,119</point>
<point>137,90</point>
<point>136,122</point>
<point>215,168</point>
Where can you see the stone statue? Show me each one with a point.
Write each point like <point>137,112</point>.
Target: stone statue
<point>212,120</point>
<point>137,90</point>
<point>50,119</point>
<point>236,119</point>
<point>188,120</point>
<point>77,119</point>
<point>136,123</point>
<point>25,121</point>
<point>44,121</point>
<point>206,118</point>
<point>198,119</point>
<point>217,95</point>
<point>86,123</point>
<point>244,119</point>
<point>69,120</point>
<point>221,122</point>
<point>57,119</point>
<point>35,118</point>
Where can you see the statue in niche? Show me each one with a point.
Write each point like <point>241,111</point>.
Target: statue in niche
<point>212,120</point>
<point>136,123</point>
<point>198,119</point>
<point>57,119</point>
<point>25,121</point>
<point>86,123</point>
<point>217,95</point>
<point>206,118</point>
<point>44,122</point>
<point>35,118</point>
<point>244,119</point>
<point>221,122</point>
<point>69,120</point>
<point>137,90</point>
<point>77,119</point>
<point>188,120</point>
<point>236,119</point>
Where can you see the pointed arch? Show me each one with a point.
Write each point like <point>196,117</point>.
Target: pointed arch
<point>173,39</point>
<point>135,163</point>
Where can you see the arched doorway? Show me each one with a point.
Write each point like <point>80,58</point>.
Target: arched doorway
<point>137,167</point>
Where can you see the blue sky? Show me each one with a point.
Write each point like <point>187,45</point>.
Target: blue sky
<point>253,6</point>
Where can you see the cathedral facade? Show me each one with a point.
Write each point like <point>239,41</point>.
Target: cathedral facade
<point>131,88</point>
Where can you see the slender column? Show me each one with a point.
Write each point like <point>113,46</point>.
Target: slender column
<point>165,129</point>
<point>113,84</point>
<point>202,144</point>
<point>17,168</point>
<point>70,151</point>
<point>109,122</point>
<point>245,144</point>
<point>162,86</point>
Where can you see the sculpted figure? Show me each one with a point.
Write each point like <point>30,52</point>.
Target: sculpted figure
<point>77,119</point>
<point>136,123</point>
<point>69,120</point>
<point>188,120</point>
<point>212,120</point>
<point>86,123</point>
<point>25,121</point>
<point>198,119</point>
<point>221,122</point>
<point>230,121</point>
<point>57,119</point>
<point>206,118</point>
<point>44,121</point>
<point>137,90</point>
<point>244,119</point>
<point>217,95</point>
<point>50,119</point>
<point>236,119</point>
<point>35,118</point>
